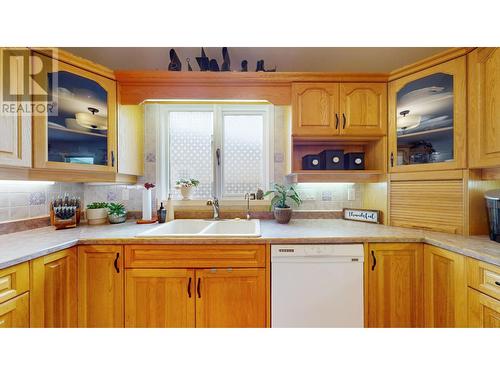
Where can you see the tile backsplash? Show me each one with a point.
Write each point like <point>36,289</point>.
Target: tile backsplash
<point>23,200</point>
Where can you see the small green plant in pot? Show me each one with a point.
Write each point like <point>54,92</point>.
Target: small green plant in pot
<point>117,213</point>
<point>97,213</point>
<point>186,185</point>
<point>279,203</point>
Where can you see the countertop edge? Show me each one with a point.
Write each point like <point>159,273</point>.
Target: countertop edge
<point>426,239</point>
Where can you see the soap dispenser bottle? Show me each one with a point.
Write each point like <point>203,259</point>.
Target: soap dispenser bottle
<point>162,214</point>
<point>170,209</point>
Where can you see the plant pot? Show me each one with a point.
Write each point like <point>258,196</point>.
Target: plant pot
<point>282,215</point>
<point>186,192</point>
<point>117,219</point>
<point>96,216</point>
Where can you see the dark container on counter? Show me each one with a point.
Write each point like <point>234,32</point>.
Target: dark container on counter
<point>332,159</point>
<point>354,160</point>
<point>162,214</point>
<point>311,162</point>
<point>493,205</point>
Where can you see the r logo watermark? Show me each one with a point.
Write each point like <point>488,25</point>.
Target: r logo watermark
<point>27,82</point>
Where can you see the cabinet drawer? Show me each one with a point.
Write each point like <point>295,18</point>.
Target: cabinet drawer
<point>484,311</point>
<point>194,256</point>
<point>14,281</point>
<point>15,312</point>
<point>484,277</point>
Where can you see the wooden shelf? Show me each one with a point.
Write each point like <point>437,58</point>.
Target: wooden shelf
<point>367,175</point>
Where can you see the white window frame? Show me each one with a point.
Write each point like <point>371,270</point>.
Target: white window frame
<point>219,110</point>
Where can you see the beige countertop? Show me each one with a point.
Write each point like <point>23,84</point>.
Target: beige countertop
<point>23,246</point>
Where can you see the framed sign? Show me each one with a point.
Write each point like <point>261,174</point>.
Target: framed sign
<point>368,216</point>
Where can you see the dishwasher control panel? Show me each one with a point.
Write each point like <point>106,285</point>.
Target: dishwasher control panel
<point>319,250</point>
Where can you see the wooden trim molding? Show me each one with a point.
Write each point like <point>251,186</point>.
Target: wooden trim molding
<point>135,87</point>
<point>429,62</point>
<point>77,61</point>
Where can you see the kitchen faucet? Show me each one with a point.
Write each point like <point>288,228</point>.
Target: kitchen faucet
<point>215,205</point>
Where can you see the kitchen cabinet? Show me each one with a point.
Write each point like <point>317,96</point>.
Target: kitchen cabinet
<point>100,286</point>
<point>484,311</point>
<point>363,109</point>
<point>445,288</point>
<point>160,298</point>
<point>483,91</point>
<point>15,312</point>
<point>78,132</point>
<point>54,293</point>
<point>332,109</point>
<point>14,281</point>
<point>427,117</point>
<point>15,126</point>
<point>395,285</point>
<point>315,109</point>
<point>231,298</point>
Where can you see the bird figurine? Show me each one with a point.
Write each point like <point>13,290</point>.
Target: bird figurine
<point>175,62</point>
<point>260,66</point>
<point>244,66</point>
<point>203,61</point>
<point>226,64</point>
<point>214,67</point>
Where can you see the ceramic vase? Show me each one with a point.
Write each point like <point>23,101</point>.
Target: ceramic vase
<point>282,215</point>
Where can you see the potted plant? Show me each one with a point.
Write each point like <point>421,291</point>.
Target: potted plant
<point>97,213</point>
<point>282,194</point>
<point>117,213</point>
<point>186,187</point>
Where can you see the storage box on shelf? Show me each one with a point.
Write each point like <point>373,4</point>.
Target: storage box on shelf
<point>372,147</point>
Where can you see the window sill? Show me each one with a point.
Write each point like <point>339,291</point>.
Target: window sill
<point>227,204</point>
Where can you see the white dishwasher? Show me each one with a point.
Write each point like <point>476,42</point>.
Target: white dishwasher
<point>317,285</point>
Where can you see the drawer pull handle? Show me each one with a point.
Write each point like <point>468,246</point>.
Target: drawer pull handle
<point>198,290</point>
<point>497,283</point>
<point>336,121</point>
<point>116,263</point>
<point>189,288</point>
<point>374,261</point>
<point>343,118</point>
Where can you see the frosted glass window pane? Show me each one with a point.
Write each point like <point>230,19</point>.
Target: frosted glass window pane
<point>191,151</point>
<point>243,166</point>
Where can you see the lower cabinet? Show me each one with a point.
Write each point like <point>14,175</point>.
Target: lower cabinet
<point>445,288</point>
<point>100,286</point>
<point>183,298</point>
<point>54,290</point>
<point>15,313</point>
<point>395,285</point>
<point>484,311</point>
<point>161,298</point>
<point>231,298</point>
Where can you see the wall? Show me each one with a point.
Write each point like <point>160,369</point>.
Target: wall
<point>23,200</point>
<point>316,196</point>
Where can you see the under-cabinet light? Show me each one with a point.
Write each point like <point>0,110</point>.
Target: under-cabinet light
<point>17,182</point>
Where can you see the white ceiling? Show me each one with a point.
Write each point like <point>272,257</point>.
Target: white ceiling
<point>300,59</point>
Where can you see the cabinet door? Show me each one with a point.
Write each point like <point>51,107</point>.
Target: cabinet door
<point>160,298</point>
<point>483,108</point>
<point>15,127</point>
<point>78,131</point>
<point>231,298</point>
<point>100,286</point>
<point>484,311</point>
<point>15,312</point>
<point>315,109</point>
<point>363,109</point>
<point>131,140</point>
<point>395,285</point>
<point>427,119</point>
<point>54,292</point>
<point>445,288</point>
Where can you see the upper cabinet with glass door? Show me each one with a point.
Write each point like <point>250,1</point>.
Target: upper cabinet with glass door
<point>78,131</point>
<point>427,112</point>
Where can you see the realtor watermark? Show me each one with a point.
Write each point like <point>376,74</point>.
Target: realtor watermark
<point>27,82</point>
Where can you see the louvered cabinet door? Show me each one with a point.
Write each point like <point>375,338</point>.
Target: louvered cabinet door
<point>432,205</point>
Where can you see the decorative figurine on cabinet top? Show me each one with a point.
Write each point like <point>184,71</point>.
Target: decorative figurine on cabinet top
<point>203,61</point>
<point>226,64</point>
<point>175,62</point>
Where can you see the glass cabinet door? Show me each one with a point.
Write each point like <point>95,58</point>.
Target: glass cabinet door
<point>428,118</point>
<point>78,124</point>
<point>78,129</point>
